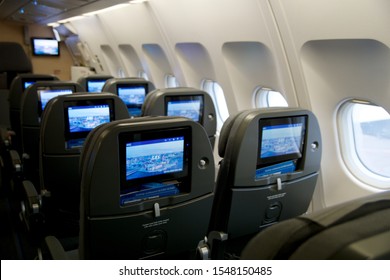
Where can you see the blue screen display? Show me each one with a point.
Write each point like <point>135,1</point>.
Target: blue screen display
<point>185,108</point>
<point>45,95</point>
<point>280,140</point>
<point>154,157</point>
<point>95,85</point>
<point>86,118</point>
<point>134,97</point>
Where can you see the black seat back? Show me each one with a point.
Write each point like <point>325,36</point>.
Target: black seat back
<point>185,102</point>
<point>66,122</point>
<point>32,106</point>
<point>270,165</point>
<point>18,87</point>
<point>147,189</point>
<point>94,83</point>
<point>13,61</point>
<point>131,90</point>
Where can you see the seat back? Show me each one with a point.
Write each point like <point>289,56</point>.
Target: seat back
<point>147,189</point>
<point>18,86</point>
<point>66,122</point>
<point>94,83</point>
<point>270,165</point>
<point>131,90</point>
<point>352,230</point>
<point>13,61</point>
<point>32,105</point>
<point>186,102</point>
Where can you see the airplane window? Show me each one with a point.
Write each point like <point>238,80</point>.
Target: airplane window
<point>142,74</point>
<point>218,97</point>
<point>266,97</point>
<point>121,73</point>
<point>365,138</point>
<point>171,81</point>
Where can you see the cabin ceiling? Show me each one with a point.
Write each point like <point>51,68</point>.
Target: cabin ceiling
<point>46,11</point>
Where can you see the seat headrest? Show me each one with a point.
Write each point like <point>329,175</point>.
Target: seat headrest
<point>224,135</point>
<point>13,58</point>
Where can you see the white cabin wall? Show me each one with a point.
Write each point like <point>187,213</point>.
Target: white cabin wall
<point>336,50</point>
<point>195,40</point>
<point>141,45</point>
<point>207,36</point>
<point>92,36</point>
<point>300,48</point>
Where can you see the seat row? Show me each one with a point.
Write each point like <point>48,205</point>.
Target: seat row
<point>160,172</point>
<point>142,188</point>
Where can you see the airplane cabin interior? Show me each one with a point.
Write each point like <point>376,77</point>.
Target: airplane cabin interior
<point>195,130</point>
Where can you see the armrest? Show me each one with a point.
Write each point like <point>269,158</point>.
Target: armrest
<point>16,161</point>
<point>56,251</point>
<point>31,213</point>
<point>32,196</point>
<point>212,247</point>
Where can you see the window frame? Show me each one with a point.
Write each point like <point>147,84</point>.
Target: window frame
<point>211,84</point>
<point>348,148</point>
<point>261,96</point>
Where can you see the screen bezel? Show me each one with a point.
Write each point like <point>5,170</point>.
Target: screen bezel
<point>128,186</point>
<point>132,106</point>
<point>186,98</point>
<point>267,122</point>
<point>51,87</point>
<point>35,52</point>
<point>76,103</point>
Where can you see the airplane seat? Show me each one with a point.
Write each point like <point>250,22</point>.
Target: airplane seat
<point>33,103</point>
<point>268,172</point>
<point>186,102</point>
<point>132,91</point>
<point>94,83</point>
<point>17,88</point>
<point>353,230</point>
<point>66,122</point>
<point>146,190</point>
<point>13,61</point>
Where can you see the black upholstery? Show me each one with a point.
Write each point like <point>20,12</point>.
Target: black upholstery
<point>59,162</point>
<point>246,201</point>
<point>157,103</point>
<point>357,229</point>
<point>160,227</point>
<point>134,90</point>
<point>17,90</point>
<point>85,81</point>
<point>13,61</point>
<point>31,114</point>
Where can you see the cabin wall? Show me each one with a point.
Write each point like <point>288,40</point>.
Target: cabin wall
<point>59,66</point>
<point>316,53</point>
<point>337,50</point>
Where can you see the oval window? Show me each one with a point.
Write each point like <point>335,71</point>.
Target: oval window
<point>266,97</point>
<point>364,130</point>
